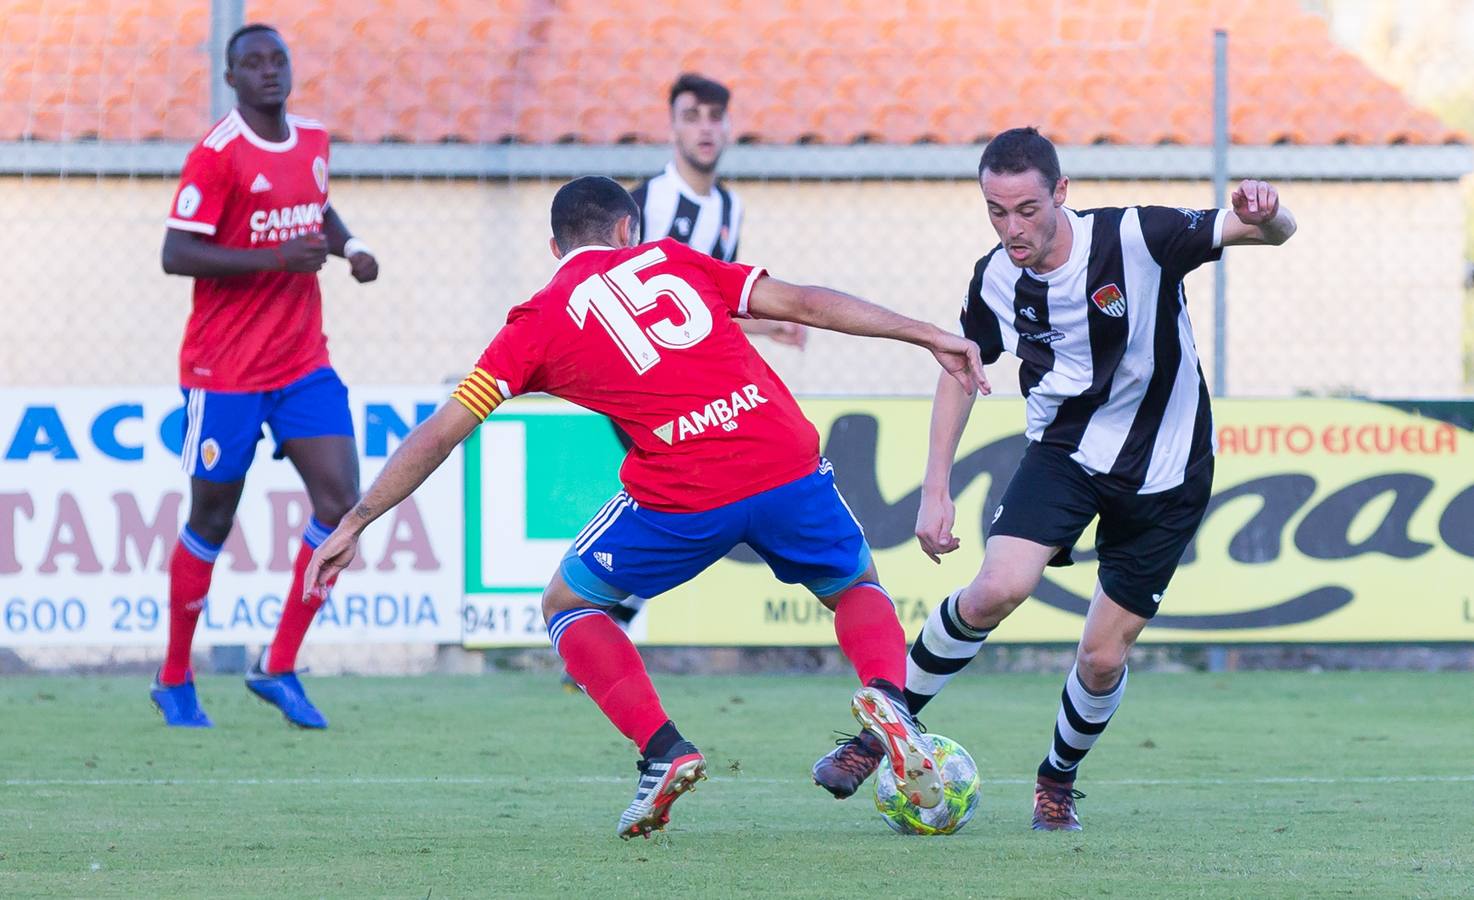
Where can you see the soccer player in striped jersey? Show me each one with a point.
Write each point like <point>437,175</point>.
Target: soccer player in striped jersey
<point>1119,427</point>
<point>251,224</point>
<point>646,334</point>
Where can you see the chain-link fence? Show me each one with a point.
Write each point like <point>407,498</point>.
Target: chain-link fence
<point>858,128</point>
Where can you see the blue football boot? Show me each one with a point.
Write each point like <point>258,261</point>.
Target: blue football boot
<point>178,704</point>
<point>284,692</point>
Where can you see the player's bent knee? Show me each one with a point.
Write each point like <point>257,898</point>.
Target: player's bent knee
<point>558,597</point>
<point>985,614</point>
<point>992,597</point>
<point>331,510</point>
<point>830,597</point>
<point>212,524</point>
<point>1100,665</point>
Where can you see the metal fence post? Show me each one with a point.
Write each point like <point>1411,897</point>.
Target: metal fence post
<point>225,17</point>
<point>1220,200</point>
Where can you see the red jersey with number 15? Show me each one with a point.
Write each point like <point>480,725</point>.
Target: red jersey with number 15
<point>645,335</point>
<point>261,331</point>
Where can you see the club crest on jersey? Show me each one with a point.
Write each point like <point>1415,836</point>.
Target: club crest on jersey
<point>189,201</point>
<point>320,173</point>
<point>210,453</point>
<point>1110,300</point>
<point>683,227</point>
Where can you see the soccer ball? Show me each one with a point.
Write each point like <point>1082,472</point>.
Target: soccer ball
<point>961,788</point>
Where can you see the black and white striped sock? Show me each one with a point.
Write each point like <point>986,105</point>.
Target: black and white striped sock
<point>945,646</point>
<point>1082,717</point>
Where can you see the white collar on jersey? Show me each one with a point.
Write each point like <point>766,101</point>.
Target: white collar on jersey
<point>263,143</point>
<point>1079,251</point>
<point>576,251</point>
<point>673,172</point>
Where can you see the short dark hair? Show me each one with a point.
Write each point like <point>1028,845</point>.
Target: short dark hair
<point>1020,150</point>
<point>242,32</point>
<point>705,89</point>
<point>585,210</point>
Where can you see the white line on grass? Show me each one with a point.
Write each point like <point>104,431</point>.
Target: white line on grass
<point>473,780</point>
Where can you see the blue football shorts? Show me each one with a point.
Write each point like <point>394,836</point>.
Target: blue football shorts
<point>803,530</point>
<point>221,429</point>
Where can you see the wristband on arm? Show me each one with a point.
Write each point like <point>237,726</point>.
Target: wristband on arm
<point>354,245</point>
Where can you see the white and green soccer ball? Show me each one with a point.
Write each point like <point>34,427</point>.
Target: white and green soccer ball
<point>961,789</point>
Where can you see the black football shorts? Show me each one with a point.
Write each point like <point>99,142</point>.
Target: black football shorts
<point>1141,537</point>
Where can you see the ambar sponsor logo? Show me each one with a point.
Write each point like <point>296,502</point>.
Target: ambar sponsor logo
<point>720,413</point>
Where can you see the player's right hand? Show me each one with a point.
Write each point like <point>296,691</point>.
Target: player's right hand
<point>330,558</point>
<point>959,356</point>
<point>934,522</point>
<point>307,253</point>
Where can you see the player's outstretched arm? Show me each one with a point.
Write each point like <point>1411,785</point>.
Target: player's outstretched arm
<point>837,311</point>
<point>191,255</point>
<point>949,414</point>
<point>341,242</point>
<point>422,452</point>
<point>1258,217</point>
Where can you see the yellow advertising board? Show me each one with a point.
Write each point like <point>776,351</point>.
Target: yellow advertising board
<point>1331,521</point>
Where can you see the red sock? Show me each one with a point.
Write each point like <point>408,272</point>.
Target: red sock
<point>189,582</point>
<point>870,634</point>
<point>600,656</point>
<point>296,617</point>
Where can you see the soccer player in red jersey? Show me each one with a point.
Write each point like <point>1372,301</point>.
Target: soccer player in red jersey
<point>647,336</point>
<point>252,225</point>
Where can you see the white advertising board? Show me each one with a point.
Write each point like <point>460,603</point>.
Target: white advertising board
<point>92,497</point>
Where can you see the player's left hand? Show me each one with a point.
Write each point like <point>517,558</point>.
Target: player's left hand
<point>790,333</point>
<point>959,356</point>
<point>364,267</point>
<point>328,560</point>
<point>1255,202</point>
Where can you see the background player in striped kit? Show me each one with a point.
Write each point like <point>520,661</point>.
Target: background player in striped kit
<point>687,201</point>
<point>252,225</point>
<point>1119,426</point>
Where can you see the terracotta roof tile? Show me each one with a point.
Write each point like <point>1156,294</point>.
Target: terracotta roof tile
<point>901,71</point>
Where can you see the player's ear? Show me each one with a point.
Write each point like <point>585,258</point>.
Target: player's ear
<point>1061,188</point>
<point>553,246</point>
<point>624,232</point>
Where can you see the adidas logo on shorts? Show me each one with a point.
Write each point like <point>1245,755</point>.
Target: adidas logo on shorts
<point>604,559</point>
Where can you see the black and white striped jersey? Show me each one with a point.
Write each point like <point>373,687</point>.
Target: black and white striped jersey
<point>1108,363</point>
<point>670,208</point>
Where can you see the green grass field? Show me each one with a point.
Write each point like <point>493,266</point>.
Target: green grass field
<point>1243,785</point>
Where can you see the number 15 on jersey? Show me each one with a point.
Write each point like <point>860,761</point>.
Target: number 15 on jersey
<point>616,297</point>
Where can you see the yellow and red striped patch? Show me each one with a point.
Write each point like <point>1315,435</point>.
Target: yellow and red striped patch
<point>478,393</point>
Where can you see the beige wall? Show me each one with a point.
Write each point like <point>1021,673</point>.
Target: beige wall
<point>1367,298</point>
